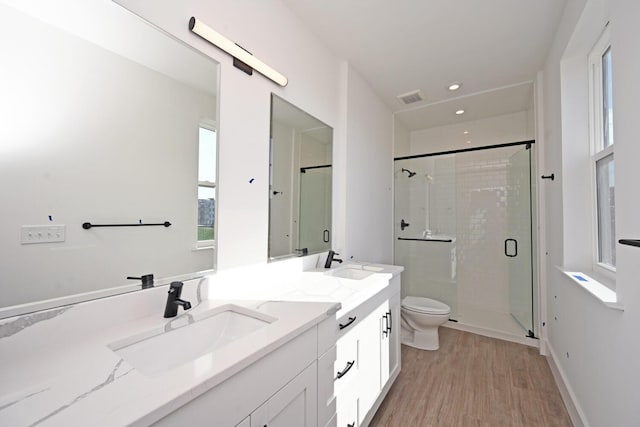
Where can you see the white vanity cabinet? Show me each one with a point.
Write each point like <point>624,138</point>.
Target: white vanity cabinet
<point>334,375</point>
<point>293,405</point>
<point>355,374</point>
<point>278,390</point>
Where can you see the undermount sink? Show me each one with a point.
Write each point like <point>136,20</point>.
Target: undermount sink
<point>159,350</point>
<point>351,273</point>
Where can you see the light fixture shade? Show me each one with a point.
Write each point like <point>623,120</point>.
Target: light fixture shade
<point>220,41</point>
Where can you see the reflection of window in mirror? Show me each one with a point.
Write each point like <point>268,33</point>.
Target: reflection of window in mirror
<point>206,184</point>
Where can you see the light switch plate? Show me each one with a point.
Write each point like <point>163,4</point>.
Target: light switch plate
<point>42,234</point>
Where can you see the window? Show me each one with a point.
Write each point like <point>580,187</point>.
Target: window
<point>206,185</point>
<point>601,124</point>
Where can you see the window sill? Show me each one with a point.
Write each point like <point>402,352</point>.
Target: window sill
<point>203,247</point>
<point>602,293</point>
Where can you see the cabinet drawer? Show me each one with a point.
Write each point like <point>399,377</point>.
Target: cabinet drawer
<point>347,407</point>
<point>347,362</point>
<point>354,317</point>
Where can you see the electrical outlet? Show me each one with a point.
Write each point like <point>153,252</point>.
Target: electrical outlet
<point>42,234</point>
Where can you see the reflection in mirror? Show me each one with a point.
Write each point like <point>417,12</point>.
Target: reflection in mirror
<point>108,123</point>
<point>300,178</point>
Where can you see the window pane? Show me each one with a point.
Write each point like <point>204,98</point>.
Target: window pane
<point>607,99</point>
<point>606,211</point>
<point>207,156</point>
<point>206,212</point>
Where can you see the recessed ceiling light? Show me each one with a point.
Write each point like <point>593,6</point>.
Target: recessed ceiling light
<point>466,132</point>
<point>458,112</point>
<point>454,86</point>
<point>468,142</point>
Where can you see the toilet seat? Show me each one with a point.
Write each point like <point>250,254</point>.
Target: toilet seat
<point>425,305</point>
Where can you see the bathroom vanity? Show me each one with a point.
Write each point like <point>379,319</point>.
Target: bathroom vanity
<point>318,349</point>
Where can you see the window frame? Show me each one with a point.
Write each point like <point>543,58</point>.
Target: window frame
<point>597,140</point>
<point>210,243</point>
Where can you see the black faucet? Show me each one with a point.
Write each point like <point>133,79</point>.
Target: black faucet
<point>147,280</point>
<point>173,300</point>
<point>331,259</point>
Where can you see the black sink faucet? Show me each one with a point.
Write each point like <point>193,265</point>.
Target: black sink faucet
<point>173,300</point>
<point>331,259</point>
<point>147,280</point>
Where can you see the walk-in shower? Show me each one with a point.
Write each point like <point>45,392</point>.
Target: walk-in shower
<point>469,242</point>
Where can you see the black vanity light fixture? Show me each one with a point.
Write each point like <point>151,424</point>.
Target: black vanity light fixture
<point>242,59</point>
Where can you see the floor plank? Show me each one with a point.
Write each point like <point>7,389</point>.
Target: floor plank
<point>473,381</point>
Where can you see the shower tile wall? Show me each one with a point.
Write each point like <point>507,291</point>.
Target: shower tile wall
<point>481,200</point>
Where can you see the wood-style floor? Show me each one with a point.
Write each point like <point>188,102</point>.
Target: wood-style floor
<point>472,381</point>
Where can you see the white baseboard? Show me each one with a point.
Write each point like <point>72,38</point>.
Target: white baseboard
<point>492,333</point>
<point>568,396</point>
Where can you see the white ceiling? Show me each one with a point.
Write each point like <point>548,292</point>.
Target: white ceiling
<point>498,102</point>
<point>402,45</point>
<point>289,115</point>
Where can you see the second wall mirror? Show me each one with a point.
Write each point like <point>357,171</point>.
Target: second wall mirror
<point>300,182</point>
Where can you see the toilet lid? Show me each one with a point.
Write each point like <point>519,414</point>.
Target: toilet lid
<point>425,305</point>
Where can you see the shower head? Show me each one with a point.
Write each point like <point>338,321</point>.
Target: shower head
<point>411,174</point>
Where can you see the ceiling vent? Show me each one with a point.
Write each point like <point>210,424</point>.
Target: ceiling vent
<point>411,97</point>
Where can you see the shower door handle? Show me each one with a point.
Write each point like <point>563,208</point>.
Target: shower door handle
<point>515,248</point>
<point>325,236</point>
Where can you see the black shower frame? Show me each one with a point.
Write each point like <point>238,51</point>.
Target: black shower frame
<point>528,144</point>
<point>464,150</point>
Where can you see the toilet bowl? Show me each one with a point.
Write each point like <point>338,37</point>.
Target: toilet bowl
<point>420,319</point>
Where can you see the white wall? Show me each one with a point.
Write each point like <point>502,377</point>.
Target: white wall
<point>401,139</point>
<point>317,84</point>
<point>515,127</point>
<point>369,174</point>
<point>596,348</point>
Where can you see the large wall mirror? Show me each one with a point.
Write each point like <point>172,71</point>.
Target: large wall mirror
<point>105,120</point>
<point>300,182</point>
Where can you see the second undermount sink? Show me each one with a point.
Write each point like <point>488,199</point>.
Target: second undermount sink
<point>156,351</point>
<point>351,273</point>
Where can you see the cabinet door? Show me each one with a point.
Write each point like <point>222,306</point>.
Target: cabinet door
<point>294,405</point>
<point>369,357</point>
<point>390,341</point>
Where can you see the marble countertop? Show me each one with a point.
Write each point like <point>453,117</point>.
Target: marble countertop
<point>57,367</point>
<point>88,381</point>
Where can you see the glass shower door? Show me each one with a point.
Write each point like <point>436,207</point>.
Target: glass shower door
<point>315,209</point>
<point>518,242</point>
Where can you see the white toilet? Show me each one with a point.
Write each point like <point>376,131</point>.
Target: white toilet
<point>421,318</point>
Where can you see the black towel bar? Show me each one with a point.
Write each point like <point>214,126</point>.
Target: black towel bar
<point>88,225</point>
<point>629,242</point>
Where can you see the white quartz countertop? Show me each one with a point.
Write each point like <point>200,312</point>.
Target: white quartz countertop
<point>58,370</point>
<point>88,381</point>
